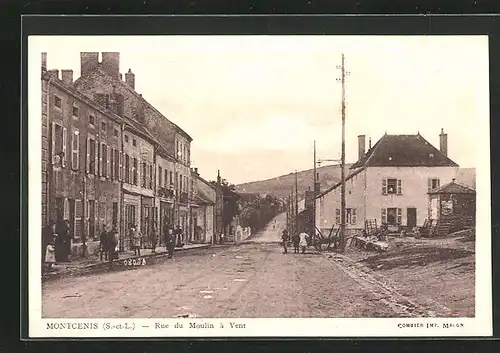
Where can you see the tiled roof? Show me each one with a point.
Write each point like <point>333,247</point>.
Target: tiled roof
<point>453,188</point>
<point>404,151</point>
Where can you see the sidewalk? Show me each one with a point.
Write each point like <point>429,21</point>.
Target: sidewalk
<point>92,263</point>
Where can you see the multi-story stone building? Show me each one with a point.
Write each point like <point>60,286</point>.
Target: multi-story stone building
<point>102,79</point>
<point>165,169</point>
<point>81,157</point>
<point>138,180</point>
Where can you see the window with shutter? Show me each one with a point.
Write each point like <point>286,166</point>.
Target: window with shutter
<point>399,216</point>
<point>151,176</point>
<point>120,170</point>
<point>400,187</point>
<point>160,176</point>
<point>53,142</point>
<point>66,208</point>
<point>354,218</point>
<point>384,215</point>
<point>75,150</point>
<point>87,152</point>
<point>337,216</point>
<point>384,186</point>
<point>165,181</point>
<point>96,158</point>
<point>108,162</point>
<point>78,219</point>
<point>64,143</point>
<point>127,169</point>
<point>429,184</point>
<point>136,171</point>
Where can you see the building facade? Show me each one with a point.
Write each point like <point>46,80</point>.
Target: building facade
<point>389,183</point>
<point>205,196</point>
<point>102,80</point>
<point>81,150</point>
<point>165,189</point>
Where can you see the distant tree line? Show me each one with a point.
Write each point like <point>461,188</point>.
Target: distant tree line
<point>257,212</point>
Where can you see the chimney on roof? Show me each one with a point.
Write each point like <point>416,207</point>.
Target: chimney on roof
<point>361,146</point>
<point>443,142</point>
<point>196,171</point>
<point>44,61</point>
<point>54,73</point>
<point>130,78</point>
<point>88,62</point>
<point>111,64</point>
<point>369,143</point>
<point>67,76</point>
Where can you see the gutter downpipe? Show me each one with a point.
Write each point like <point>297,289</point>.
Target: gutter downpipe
<point>49,148</point>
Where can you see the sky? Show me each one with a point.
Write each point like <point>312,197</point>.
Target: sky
<point>255,104</point>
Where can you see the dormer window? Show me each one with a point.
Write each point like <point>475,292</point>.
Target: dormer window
<point>431,156</point>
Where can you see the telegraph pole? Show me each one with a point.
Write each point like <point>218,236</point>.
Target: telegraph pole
<point>342,174</point>
<point>296,204</point>
<point>314,194</point>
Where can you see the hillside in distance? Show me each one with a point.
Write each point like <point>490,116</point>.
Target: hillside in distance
<point>282,185</point>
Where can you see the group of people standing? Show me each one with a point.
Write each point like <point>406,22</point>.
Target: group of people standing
<point>56,242</point>
<point>299,242</point>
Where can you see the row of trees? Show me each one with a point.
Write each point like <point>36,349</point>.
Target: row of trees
<point>258,212</point>
<point>255,211</point>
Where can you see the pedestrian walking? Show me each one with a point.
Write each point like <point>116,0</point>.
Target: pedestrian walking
<point>136,240</point>
<point>103,244</point>
<point>170,242</point>
<point>285,238</point>
<point>303,241</point>
<point>154,237</point>
<point>61,241</point>
<point>178,235</point>
<point>112,245</point>
<point>296,241</point>
<point>50,256</point>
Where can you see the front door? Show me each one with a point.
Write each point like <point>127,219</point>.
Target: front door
<point>411,221</point>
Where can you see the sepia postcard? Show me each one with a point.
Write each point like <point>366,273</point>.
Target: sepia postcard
<point>259,186</point>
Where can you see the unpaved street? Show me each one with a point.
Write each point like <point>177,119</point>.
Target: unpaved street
<point>254,279</point>
<point>250,280</point>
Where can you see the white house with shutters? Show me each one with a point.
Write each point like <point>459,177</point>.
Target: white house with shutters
<point>389,183</point>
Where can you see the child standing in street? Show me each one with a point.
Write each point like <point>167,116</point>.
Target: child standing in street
<point>284,239</point>
<point>50,255</point>
<point>303,241</point>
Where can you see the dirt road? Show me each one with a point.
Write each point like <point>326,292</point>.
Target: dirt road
<point>254,279</point>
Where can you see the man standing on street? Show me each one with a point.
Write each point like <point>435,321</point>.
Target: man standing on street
<point>285,238</point>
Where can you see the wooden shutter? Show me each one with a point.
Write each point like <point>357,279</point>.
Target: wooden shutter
<point>120,171</point>
<point>64,142</point>
<point>53,142</point>
<point>66,208</point>
<point>108,164</point>
<point>337,215</point>
<point>384,186</point>
<point>78,218</point>
<point>399,216</point>
<point>96,160</point>
<point>101,150</point>
<point>384,215</point>
<point>353,216</point>
<point>87,161</point>
<point>399,187</point>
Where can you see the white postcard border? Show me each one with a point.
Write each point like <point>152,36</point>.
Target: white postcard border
<point>481,325</point>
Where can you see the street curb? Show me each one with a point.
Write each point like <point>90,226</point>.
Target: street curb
<point>118,263</point>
